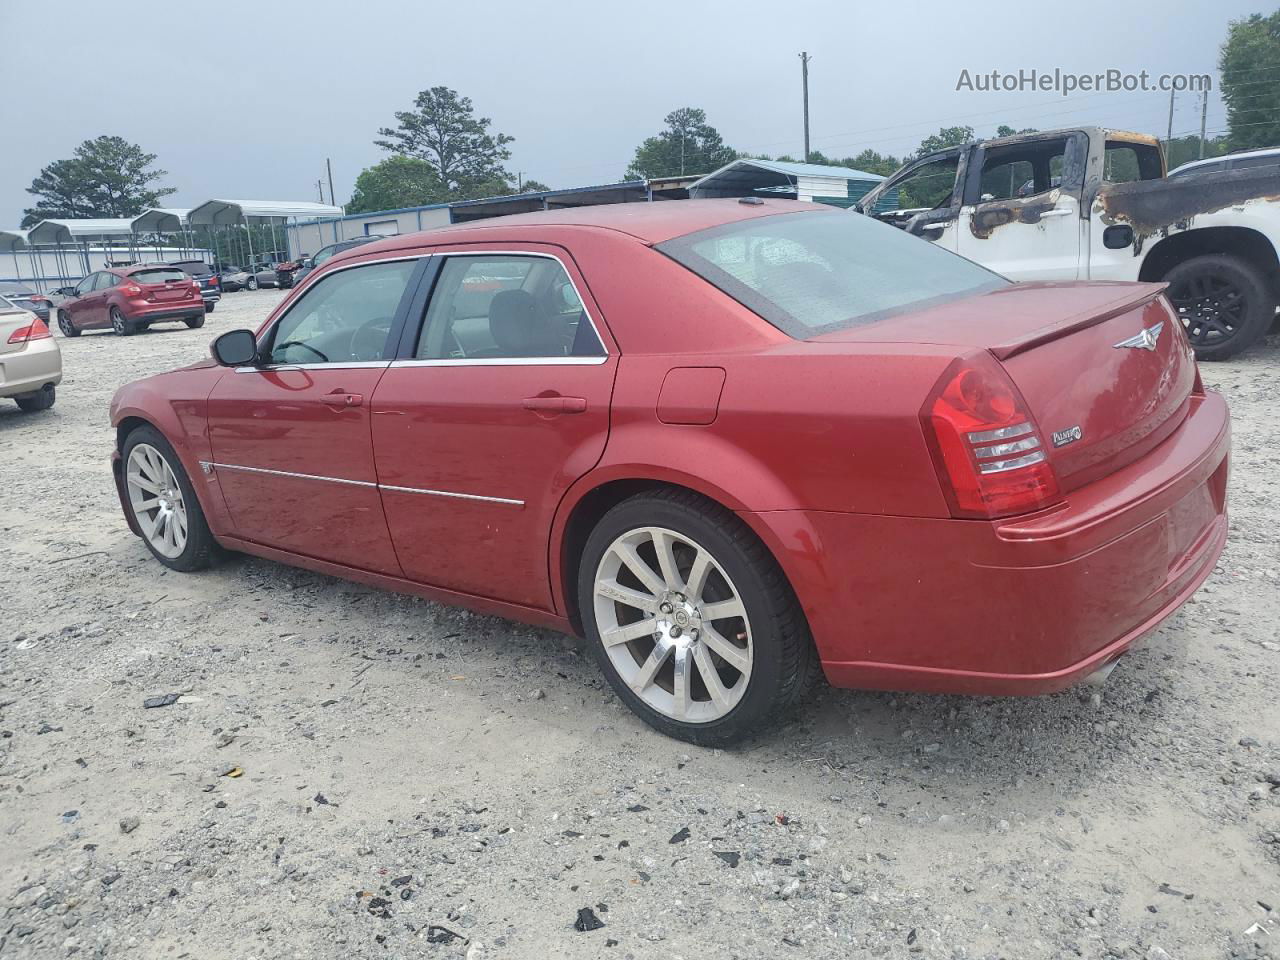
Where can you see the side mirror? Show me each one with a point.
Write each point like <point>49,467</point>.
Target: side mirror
<point>66,291</point>
<point>237,348</point>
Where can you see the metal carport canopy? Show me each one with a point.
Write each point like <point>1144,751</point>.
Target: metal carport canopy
<point>161,220</point>
<point>12,240</point>
<point>69,231</point>
<point>228,212</point>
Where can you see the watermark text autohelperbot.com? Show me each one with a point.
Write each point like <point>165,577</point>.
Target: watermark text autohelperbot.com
<point>1066,83</point>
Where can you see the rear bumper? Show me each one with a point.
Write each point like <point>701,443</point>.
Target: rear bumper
<point>155,312</point>
<point>210,296</point>
<point>31,368</point>
<point>1023,606</point>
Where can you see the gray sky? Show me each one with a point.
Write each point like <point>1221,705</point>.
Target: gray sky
<point>241,101</point>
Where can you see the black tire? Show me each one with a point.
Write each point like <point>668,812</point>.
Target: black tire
<point>195,323</point>
<point>785,663</point>
<point>122,326</point>
<point>41,400</point>
<point>208,308</point>
<point>201,549</point>
<point>251,283</point>
<point>1224,302</point>
<point>68,328</point>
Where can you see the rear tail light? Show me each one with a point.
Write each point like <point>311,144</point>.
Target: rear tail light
<point>131,290</point>
<point>195,284</point>
<point>39,299</point>
<point>33,331</point>
<point>985,443</point>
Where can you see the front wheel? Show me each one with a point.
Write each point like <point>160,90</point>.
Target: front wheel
<point>164,504</point>
<point>692,620</point>
<point>195,323</point>
<point>119,324</point>
<point>251,283</point>
<point>66,326</point>
<point>1224,303</point>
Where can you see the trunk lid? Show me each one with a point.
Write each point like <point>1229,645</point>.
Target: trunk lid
<point>1105,368</point>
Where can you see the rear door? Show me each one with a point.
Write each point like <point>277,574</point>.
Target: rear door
<point>495,406</point>
<point>291,439</point>
<point>1021,215</point>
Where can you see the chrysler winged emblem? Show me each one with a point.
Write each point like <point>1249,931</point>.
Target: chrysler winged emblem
<point>1146,340</point>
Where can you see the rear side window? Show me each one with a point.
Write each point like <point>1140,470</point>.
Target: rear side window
<point>811,273</point>
<point>1124,161</point>
<point>166,275</point>
<point>506,307</point>
<point>1245,163</point>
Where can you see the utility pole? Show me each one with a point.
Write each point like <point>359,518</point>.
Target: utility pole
<point>519,181</point>
<point>320,189</point>
<point>1204,113</point>
<point>1169,136</point>
<point>804,81</point>
<point>329,167</point>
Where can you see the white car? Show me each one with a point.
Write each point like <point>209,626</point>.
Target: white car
<point>30,361</point>
<point>1244,160</point>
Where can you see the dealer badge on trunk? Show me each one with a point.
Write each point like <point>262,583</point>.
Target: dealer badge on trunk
<point>1070,435</point>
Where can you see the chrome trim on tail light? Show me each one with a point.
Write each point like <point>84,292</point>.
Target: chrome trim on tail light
<point>1003,433</point>
<point>1000,466</point>
<point>1004,449</point>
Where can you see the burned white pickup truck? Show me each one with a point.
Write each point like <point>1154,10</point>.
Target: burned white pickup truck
<point>1094,204</point>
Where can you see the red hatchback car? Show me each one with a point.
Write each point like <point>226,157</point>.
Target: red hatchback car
<point>730,442</point>
<point>129,299</point>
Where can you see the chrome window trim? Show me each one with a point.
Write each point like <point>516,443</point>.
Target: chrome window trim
<point>208,466</point>
<point>505,362</point>
<point>336,365</point>
<point>310,281</point>
<point>509,361</point>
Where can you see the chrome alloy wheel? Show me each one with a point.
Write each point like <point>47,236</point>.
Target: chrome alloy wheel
<point>673,624</point>
<point>156,499</point>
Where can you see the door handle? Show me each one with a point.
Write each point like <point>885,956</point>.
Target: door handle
<point>556,404</point>
<point>1057,212</point>
<point>342,399</point>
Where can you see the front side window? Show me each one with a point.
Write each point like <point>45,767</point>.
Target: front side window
<point>344,317</point>
<point>811,273</point>
<point>506,307</point>
<point>1124,161</point>
<point>86,285</point>
<point>929,185</point>
<point>1020,170</point>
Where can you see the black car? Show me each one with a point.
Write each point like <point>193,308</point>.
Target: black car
<point>308,263</point>
<point>210,284</point>
<point>21,295</point>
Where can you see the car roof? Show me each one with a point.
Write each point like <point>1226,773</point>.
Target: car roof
<point>1241,155</point>
<point>650,223</point>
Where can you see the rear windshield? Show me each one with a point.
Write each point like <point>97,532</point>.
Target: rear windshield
<point>812,273</point>
<point>163,275</point>
<point>195,269</point>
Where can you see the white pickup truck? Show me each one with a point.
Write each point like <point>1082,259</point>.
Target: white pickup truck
<point>1094,204</point>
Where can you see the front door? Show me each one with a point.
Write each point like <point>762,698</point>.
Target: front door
<point>922,198</point>
<point>291,438</point>
<point>82,309</point>
<point>502,404</point>
<point>1021,215</point>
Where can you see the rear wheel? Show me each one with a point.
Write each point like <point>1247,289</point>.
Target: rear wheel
<point>195,323</point>
<point>40,400</point>
<point>691,619</point>
<point>119,324</point>
<point>251,283</point>
<point>163,502</point>
<point>1224,304</point>
<point>66,326</point>
<point>208,308</point>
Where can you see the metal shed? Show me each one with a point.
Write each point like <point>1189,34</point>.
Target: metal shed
<point>78,234</point>
<point>839,186</point>
<point>227,213</point>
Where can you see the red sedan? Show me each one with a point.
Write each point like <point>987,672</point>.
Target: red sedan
<point>733,443</point>
<point>129,299</point>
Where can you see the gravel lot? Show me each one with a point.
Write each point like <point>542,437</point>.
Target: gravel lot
<point>350,773</point>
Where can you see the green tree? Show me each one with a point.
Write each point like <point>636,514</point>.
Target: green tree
<point>688,145</point>
<point>945,137</point>
<point>1182,150</point>
<point>443,131</point>
<point>398,181</point>
<point>1004,130</point>
<point>105,177</point>
<point>1250,67</point>
<point>873,162</point>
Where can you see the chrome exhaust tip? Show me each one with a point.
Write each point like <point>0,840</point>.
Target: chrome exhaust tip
<point>1099,677</point>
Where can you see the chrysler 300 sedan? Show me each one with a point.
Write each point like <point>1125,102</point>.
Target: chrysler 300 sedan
<point>736,444</point>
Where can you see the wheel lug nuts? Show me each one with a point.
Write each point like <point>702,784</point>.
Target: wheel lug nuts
<point>675,631</point>
<point>693,634</point>
<point>666,608</point>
